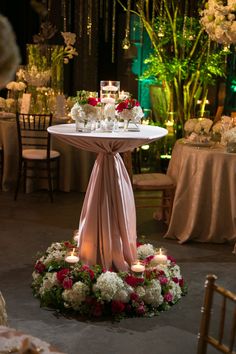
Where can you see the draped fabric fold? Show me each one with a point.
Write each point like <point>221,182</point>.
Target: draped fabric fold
<point>107,229</point>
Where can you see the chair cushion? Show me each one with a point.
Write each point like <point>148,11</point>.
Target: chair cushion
<point>39,154</point>
<point>152,181</point>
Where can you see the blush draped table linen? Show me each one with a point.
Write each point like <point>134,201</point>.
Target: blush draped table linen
<point>204,207</point>
<point>107,227</point>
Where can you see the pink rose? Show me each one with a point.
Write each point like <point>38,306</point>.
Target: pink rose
<point>168,297</point>
<point>67,283</point>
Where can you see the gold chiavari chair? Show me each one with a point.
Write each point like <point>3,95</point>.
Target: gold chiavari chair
<point>206,336</point>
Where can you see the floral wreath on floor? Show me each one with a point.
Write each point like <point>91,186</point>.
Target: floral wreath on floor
<point>96,292</point>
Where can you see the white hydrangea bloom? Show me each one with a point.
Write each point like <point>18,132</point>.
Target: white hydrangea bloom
<point>109,111</point>
<point>230,136</point>
<point>55,256</point>
<point>190,125</point>
<point>108,283</point>
<point>164,268</point>
<point>49,280</point>
<point>175,290</point>
<point>75,296</point>
<point>140,291</point>
<point>153,293</point>
<point>219,21</point>
<point>145,250</point>
<point>35,275</point>
<point>83,111</point>
<point>175,271</point>
<point>122,295</point>
<point>134,114</point>
<point>203,126</point>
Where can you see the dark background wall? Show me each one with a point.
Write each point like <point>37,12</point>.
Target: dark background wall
<point>88,69</point>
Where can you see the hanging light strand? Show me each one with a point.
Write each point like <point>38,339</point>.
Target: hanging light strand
<point>81,18</point>
<point>89,26</point>
<point>141,23</point>
<point>106,20</point>
<point>113,31</point>
<point>63,11</point>
<point>126,40</point>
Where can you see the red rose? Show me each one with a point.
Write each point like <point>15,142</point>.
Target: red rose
<point>175,280</point>
<point>170,258</point>
<point>39,267</point>
<point>97,311</point>
<point>67,283</point>
<point>93,101</point>
<point>133,281</point>
<point>91,274</point>
<point>121,106</point>
<point>168,297</point>
<point>62,274</point>
<point>148,259</point>
<point>181,282</point>
<point>117,306</point>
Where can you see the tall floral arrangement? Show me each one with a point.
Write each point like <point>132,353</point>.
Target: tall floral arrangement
<point>219,21</point>
<point>184,59</point>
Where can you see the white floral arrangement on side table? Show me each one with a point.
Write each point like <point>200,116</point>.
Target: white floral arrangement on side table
<point>93,291</point>
<point>219,21</point>
<point>198,129</point>
<point>86,110</point>
<point>229,138</point>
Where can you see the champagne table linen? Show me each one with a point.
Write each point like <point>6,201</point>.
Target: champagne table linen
<point>107,228</point>
<point>204,208</point>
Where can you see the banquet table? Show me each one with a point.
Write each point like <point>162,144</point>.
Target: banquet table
<point>107,227</point>
<point>204,208</point>
<point>75,165</point>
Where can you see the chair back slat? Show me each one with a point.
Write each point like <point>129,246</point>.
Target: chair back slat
<point>32,131</point>
<point>204,338</point>
<point>222,320</point>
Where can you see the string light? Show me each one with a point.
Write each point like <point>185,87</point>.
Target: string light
<point>113,31</point>
<point>126,41</point>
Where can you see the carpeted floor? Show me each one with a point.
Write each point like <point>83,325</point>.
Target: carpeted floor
<point>32,223</point>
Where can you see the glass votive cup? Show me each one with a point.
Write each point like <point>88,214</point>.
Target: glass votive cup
<point>72,256</point>
<point>137,267</point>
<point>160,257</point>
<point>109,90</point>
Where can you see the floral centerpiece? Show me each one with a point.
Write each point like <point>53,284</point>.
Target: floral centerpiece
<point>198,129</point>
<point>219,21</point>
<point>129,110</point>
<point>229,138</point>
<point>45,57</point>
<point>95,292</point>
<point>15,91</point>
<point>87,107</point>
